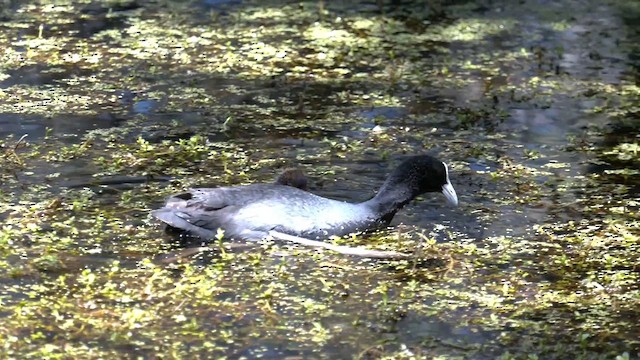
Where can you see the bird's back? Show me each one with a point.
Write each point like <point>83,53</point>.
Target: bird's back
<point>250,211</point>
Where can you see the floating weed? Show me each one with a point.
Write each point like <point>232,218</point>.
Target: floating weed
<point>150,159</point>
<point>80,271</point>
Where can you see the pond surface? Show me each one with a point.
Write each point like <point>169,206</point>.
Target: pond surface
<point>532,104</point>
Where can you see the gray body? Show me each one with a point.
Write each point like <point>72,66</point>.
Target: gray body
<point>251,211</point>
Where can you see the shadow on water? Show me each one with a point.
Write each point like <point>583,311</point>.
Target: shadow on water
<point>68,128</point>
<point>40,74</point>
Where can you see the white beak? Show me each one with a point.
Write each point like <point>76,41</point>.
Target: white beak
<point>448,191</point>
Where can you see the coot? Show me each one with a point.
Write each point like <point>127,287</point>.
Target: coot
<point>251,211</point>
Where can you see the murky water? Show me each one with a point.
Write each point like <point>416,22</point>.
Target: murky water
<point>347,146</point>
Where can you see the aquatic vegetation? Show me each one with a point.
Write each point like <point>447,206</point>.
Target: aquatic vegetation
<point>534,108</point>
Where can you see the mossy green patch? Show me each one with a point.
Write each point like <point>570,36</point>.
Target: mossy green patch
<point>533,107</point>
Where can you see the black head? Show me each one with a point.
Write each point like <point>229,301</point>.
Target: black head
<point>292,177</point>
<point>420,174</point>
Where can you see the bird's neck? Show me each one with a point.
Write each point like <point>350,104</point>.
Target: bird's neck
<point>389,200</point>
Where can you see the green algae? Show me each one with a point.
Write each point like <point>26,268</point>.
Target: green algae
<point>84,268</point>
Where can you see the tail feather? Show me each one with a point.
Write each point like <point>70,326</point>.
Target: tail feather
<point>171,217</point>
